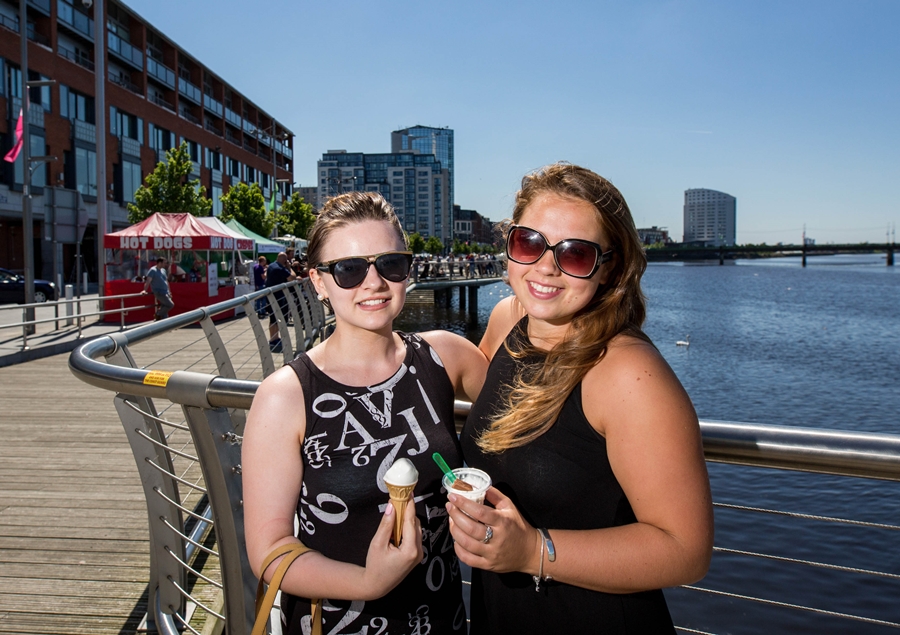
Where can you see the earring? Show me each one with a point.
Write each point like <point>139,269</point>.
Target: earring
<point>320,297</point>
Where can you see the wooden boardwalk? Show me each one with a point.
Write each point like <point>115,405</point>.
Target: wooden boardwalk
<point>74,545</point>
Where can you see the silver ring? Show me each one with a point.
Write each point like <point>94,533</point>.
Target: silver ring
<point>488,534</point>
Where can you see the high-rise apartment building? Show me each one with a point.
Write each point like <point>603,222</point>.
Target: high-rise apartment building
<point>428,140</point>
<point>709,217</point>
<point>417,185</point>
<point>156,96</point>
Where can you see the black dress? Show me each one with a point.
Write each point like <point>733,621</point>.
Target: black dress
<point>561,480</point>
<point>353,435</point>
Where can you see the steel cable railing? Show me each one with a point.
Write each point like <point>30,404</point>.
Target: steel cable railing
<point>213,407</point>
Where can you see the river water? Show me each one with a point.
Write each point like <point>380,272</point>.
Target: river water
<point>772,342</point>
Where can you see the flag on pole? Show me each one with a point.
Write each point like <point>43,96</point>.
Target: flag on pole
<point>13,154</point>
<point>272,204</point>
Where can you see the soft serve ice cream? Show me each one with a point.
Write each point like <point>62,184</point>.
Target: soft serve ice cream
<point>400,479</point>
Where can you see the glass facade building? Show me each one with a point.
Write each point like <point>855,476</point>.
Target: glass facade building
<point>709,217</point>
<point>427,140</point>
<point>417,185</point>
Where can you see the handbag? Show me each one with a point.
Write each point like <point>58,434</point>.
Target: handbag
<point>264,602</point>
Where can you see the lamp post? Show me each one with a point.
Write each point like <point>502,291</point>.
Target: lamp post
<point>100,127</point>
<point>27,167</point>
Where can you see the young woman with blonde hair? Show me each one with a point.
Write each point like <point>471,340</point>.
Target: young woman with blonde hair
<point>602,496</point>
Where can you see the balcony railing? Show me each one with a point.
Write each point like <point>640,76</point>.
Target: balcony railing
<point>160,72</point>
<point>78,57</point>
<point>10,23</point>
<point>42,5</point>
<point>34,36</point>
<point>159,100</point>
<point>215,107</point>
<point>190,91</point>
<point>230,137</point>
<point>233,118</point>
<point>124,82</point>
<point>212,127</point>
<point>125,51</point>
<point>75,20</point>
<point>185,114</point>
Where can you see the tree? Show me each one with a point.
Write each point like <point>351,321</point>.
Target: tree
<point>416,243</point>
<point>246,204</point>
<point>434,246</point>
<point>167,189</point>
<point>296,217</point>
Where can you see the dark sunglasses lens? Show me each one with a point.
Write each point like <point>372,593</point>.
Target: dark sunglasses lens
<point>350,272</point>
<point>525,245</point>
<point>393,267</point>
<point>576,258</point>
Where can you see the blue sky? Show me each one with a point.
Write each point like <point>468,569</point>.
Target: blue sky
<point>793,107</point>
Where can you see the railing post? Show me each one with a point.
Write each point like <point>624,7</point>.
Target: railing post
<point>121,313</point>
<point>25,329</point>
<point>78,317</point>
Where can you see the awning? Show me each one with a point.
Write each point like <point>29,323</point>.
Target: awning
<point>174,231</point>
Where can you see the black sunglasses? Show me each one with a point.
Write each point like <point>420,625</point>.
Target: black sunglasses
<point>573,256</point>
<point>393,266</point>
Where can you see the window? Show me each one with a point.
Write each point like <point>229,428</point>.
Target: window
<point>40,94</point>
<point>193,149</point>
<point>161,139</point>
<point>86,171</point>
<point>38,148</point>
<point>13,81</point>
<point>74,105</point>
<point>213,159</point>
<point>216,193</point>
<point>124,125</point>
<point>131,180</point>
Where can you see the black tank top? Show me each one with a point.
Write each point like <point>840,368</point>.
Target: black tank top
<point>353,435</point>
<point>561,480</point>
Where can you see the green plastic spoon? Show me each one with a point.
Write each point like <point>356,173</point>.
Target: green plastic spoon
<point>444,467</point>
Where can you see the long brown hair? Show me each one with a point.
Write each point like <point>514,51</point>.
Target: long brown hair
<point>536,398</point>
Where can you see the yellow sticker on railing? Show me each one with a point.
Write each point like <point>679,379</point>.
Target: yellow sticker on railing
<point>157,378</point>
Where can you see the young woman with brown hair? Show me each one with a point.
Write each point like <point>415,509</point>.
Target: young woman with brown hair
<point>602,496</point>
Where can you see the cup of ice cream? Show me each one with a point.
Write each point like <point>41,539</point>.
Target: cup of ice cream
<point>470,483</point>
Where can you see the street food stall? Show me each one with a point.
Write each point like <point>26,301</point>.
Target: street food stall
<point>201,263</point>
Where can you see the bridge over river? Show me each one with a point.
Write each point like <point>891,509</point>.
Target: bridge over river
<point>682,253</point>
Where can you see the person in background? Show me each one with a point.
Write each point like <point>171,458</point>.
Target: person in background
<point>278,273</point>
<point>602,494</point>
<point>324,429</point>
<point>259,281</point>
<point>157,282</point>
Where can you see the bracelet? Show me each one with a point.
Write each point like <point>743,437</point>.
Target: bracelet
<point>544,537</point>
<point>551,550</point>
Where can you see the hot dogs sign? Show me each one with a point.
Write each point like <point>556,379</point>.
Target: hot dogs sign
<point>218,243</point>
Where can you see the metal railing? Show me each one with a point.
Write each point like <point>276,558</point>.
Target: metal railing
<point>78,316</point>
<point>200,455</point>
<point>456,269</point>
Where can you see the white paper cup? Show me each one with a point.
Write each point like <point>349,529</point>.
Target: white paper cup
<point>480,482</point>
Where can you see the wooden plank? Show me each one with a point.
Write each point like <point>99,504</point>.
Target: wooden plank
<point>74,546</point>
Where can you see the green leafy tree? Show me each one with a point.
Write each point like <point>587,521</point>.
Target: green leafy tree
<point>434,246</point>
<point>416,243</point>
<point>169,191</point>
<point>246,204</point>
<point>295,217</point>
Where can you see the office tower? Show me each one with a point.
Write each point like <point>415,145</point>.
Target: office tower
<point>709,217</point>
<point>417,185</point>
<point>428,140</point>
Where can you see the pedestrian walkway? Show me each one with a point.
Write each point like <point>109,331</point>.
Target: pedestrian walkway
<point>50,338</point>
<point>74,541</point>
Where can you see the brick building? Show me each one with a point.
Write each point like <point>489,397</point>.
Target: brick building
<point>156,96</point>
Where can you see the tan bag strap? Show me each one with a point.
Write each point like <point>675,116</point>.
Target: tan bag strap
<point>265,602</point>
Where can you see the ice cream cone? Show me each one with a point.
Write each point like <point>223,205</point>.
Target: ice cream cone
<point>399,497</point>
